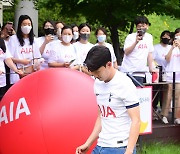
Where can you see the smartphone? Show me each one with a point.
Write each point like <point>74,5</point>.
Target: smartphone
<point>72,61</point>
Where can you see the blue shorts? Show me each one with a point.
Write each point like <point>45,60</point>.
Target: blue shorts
<point>110,150</point>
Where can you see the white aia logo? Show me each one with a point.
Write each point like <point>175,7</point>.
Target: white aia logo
<point>22,107</point>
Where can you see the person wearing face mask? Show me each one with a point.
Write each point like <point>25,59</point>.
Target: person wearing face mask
<point>75,33</point>
<point>24,48</point>
<point>5,58</point>
<point>101,35</point>
<point>62,54</point>
<point>138,48</point>
<point>6,32</point>
<point>159,53</point>
<point>173,63</point>
<point>82,46</point>
<point>49,31</point>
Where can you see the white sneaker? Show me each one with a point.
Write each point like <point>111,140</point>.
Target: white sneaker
<point>177,121</point>
<point>164,119</point>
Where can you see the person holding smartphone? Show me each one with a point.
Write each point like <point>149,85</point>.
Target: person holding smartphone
<point>138,48</point>
<point>173,63</point>
<point>49,31</point>
<point>62,53</point>
<point>7,30</point>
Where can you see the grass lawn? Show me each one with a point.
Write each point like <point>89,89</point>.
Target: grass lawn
<point>160,148</point>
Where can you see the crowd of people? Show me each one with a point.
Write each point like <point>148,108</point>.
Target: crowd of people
<point>61,46</point>
<point>21,53</point>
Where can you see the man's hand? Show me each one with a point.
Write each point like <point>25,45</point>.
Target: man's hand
<point>82,149</point>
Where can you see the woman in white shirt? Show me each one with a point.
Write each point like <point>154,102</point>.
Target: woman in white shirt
<point>24,48</point>
<point>5,57</point>
<point>173,63</point>
<point>82,46</point>
<point>101,35</point>
<point>62,54</point>
<point>159,53</point>
<point>49,30</point>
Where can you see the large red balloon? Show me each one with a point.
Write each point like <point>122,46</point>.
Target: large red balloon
<point>48,112</point>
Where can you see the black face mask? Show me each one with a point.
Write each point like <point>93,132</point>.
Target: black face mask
<point>165,40</point>
<point>84,36</point>
<point>49,31</point>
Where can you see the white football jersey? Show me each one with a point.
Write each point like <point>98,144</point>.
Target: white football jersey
<point>114,98</point>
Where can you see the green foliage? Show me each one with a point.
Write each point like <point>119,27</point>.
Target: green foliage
<point>161,148</point>
<point>161,23</point>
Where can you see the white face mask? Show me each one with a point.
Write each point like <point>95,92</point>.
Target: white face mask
<point>58,32</point>
<point>67,38</point>
<point>26,29</point>
<point>76,35</point>
<point>177,37</point>
<point>101,38</point>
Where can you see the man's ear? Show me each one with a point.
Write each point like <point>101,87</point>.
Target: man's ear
<point>109,64</point>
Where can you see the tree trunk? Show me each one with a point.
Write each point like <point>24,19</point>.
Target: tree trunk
<point>132,27</point>
<point>116,43</point>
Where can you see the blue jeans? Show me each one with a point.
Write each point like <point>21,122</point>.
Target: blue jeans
<point>110,150</point>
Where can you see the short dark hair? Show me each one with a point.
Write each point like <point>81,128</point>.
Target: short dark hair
<point>167,32</point>
<point>66,27</point>
<point>102,29</point>
<point>141,20</point>
<point>97,56</point>
<point>177,31</point>
<point>51,22</point>
<point>84,25</point>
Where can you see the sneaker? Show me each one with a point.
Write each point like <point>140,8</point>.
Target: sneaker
<point>177,121</point>
<point>165,121</point>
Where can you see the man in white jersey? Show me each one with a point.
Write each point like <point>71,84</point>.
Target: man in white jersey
<point>118,121</point>
<point>138,49</point>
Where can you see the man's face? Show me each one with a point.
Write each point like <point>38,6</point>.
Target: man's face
<point>103,73</point>
<point>142,26</point>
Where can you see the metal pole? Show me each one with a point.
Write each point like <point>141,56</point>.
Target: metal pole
<point>1,13</point>
<point>173,97</point>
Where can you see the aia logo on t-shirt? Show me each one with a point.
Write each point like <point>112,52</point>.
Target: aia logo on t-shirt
<point>26,50</point>
<point>142,46</point>
<point>1,52</point>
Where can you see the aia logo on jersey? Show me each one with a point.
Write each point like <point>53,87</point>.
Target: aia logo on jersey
<point>106,111</point>
<point>142,46</point>
<point>26,50</point>
<point>1,52</point>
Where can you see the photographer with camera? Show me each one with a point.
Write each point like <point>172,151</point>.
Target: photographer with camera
<point>138,49</point>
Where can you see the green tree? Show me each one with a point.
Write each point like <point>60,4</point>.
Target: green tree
<point>116,14</point>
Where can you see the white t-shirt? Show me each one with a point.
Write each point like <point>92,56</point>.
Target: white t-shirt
<point>60,53</point>
<point>110,47</point>
<point>26,51</point>
<point>159,54</point>
<point>174,66</point>
<point>3,56</point>
<point>82,51</point>
<point>46,52</point>
<point>136,61</point>
<point>113,98</point>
